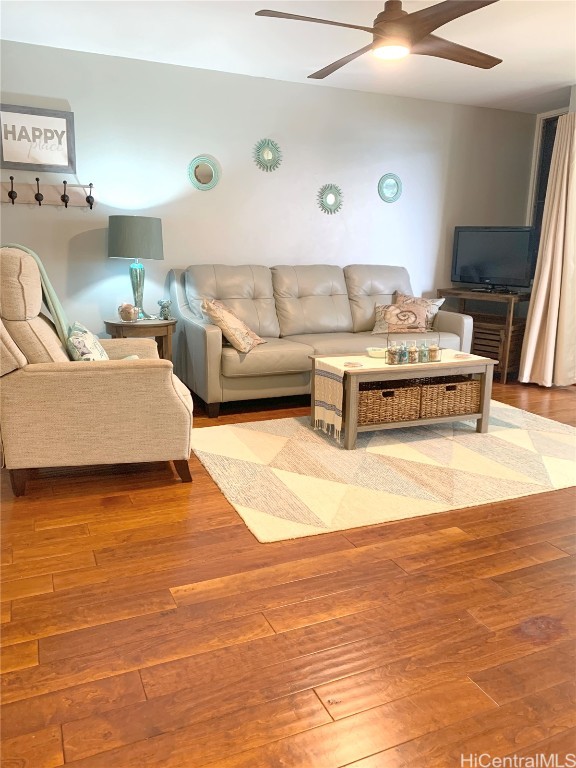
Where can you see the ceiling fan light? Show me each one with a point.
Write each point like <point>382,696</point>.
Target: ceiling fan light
<point>391,51</point>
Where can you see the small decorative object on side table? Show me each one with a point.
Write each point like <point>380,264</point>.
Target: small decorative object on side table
<point>128,313</point>
<point>161,330</point>
<point>164,305</point>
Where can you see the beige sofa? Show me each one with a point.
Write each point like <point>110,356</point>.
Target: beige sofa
<point>300,311</point>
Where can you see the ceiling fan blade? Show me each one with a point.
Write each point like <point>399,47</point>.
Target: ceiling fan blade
<point>444,49</point>
<point>322,73</point>
<point>421,23</point>
<point>281,15</point>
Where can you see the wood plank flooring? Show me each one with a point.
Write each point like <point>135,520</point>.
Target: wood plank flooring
<point>143,625</point>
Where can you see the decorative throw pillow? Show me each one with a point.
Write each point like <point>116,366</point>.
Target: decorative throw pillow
<point>237,332</point>
<point>432,305</point>
<point>400,318</point>
<point>82,344</point>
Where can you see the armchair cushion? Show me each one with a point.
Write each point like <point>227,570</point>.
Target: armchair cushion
<point>20,305</point>
<point>20,288</point>
<point>11,358</point>
<point>120,349</point>
<point>37,340</point>
<point>82,344</point>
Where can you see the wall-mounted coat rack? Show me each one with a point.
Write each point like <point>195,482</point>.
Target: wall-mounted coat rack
<point>36,193</point>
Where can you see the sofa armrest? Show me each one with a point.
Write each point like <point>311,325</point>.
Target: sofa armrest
<point>199,357</point>
<point>454,322</point>
<point>102,412</point>
<point>197,345</point>
<point>116,349</point>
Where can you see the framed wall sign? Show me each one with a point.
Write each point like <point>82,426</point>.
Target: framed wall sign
<point>37,139</point>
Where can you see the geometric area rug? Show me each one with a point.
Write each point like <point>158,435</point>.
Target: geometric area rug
<point>287,480</point>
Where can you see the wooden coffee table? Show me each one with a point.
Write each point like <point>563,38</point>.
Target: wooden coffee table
<point>453,363</point>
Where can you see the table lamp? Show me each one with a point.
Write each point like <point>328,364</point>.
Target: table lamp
<point>135,237</point>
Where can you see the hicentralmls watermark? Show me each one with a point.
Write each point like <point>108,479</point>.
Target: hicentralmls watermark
<point>485,760</point>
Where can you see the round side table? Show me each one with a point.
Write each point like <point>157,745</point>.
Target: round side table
<point>161,330</point>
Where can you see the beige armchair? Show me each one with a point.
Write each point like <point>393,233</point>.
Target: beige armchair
<point>57,413</point>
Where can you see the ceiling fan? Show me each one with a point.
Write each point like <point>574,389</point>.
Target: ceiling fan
<point>396,33</point>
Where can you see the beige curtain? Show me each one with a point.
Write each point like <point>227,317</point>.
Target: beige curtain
<point>549,349</point>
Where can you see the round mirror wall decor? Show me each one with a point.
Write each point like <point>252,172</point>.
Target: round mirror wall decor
<point>267,155</point>
<point>330,198</point>
<point>204,172</point>
<point>389,188</point>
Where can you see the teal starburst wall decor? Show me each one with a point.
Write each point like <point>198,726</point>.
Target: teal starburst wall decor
<point>330,198</point>
<point>267,155</point>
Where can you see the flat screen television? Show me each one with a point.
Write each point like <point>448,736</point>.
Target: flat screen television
<point>494,257</point>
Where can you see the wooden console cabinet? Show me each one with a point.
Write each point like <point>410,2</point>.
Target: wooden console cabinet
<point>498,337</point>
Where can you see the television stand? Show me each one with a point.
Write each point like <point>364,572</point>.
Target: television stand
<point>498,337</point>
<point>494,289</point>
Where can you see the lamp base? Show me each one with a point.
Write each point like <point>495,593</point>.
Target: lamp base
<point>137,275</point>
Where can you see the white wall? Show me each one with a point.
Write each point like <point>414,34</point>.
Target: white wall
<point>138,125</point>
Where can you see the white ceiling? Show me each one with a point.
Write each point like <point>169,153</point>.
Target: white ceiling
<point>535,38</point>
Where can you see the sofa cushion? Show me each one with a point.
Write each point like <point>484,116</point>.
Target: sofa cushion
<point>237,332</point>
<point>399,318</point>
<point>311,299</point>
<point>276,357</point>
<point>432,305</point>
<point>336,343</point>
<point>356,343</point>
<point>245,289</point>
<point>371,284</point>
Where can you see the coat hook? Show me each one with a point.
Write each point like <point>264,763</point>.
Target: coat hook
<point>38,196</point>
<point>65,197</point>
<point>90,198</point>
<point>12,195</point>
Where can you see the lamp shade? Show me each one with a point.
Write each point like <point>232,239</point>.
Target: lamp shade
<point>135,237</point>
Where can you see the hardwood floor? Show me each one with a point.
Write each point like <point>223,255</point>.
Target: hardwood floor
<point>143,625</point>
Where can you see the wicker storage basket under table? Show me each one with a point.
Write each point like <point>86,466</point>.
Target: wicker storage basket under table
<point>396,401</point>
<point>452,396</point>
